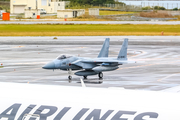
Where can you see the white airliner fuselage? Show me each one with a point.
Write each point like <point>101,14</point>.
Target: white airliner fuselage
<point>78,103</point>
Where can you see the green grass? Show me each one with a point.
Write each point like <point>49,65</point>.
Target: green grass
<point>87,30</point>
<point>104,12</point>
<point>1,66</point>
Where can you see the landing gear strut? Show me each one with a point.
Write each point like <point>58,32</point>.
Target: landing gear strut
<point>100,75</point>
<point>85,77</point>
<point>70,77</point>
<point>69,72</point>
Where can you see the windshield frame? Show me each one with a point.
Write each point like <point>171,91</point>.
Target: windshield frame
<point>62,57</point>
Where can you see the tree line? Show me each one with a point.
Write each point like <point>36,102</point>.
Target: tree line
<point>91,2</point>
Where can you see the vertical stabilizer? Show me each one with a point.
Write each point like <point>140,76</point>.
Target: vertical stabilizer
<point>123,52</point>
<point>105,49</point>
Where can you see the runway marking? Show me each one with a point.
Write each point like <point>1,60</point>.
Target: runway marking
<point>137,66</point>
<point>142,52</point>
<point>18,47</point>
<point>76,48</point>
<point>145,57</point>
<point>30,63</point>
<point>167,77</point>
<point>36,79</point>
<point>151,55</point>
<point>147,65</point>
<point>19,70</point>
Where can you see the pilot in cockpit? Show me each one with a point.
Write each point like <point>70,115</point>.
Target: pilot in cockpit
<point>63,57</point>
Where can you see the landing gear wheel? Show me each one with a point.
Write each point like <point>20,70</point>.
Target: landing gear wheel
<point>70,77</point>
<point>85,77</point>
<point>100,75</point>
<point>101,81</point>
<point>70,73</point>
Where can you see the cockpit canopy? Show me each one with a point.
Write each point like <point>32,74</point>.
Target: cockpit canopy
<point>60,57</point>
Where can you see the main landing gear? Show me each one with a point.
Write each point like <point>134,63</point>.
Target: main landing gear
<point>100,75</point>
<point>85,77</point>
<point>69,77</point>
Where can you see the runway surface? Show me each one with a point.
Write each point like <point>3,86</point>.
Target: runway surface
<point>51,21</point>
<point>157,67</point>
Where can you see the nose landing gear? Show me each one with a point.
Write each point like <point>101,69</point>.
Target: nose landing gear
<point>70,73</point>
<point>70,79</point>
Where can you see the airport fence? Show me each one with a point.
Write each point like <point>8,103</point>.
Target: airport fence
<point>115,7</point>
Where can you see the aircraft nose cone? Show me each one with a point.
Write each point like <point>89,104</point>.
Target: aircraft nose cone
<point>49,65</point>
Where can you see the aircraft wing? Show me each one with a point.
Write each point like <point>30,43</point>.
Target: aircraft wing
<point>96,61</point>
<point>100,61</point>
<point>91,63</point>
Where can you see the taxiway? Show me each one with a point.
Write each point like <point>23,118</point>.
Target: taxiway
<point>157,67</point>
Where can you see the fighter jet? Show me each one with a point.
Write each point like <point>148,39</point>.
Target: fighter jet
<point>90,66</point>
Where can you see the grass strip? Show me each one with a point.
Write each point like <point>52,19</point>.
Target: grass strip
<point>104,12</point>
<point>1,66</point>
<point>87,30</point>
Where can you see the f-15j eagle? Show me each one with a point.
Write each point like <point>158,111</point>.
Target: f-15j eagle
<point>91,66</point>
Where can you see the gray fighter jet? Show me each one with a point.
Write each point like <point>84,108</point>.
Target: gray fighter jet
<point>91,66</point>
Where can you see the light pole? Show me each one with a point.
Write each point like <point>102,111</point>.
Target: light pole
<point>36,5</point>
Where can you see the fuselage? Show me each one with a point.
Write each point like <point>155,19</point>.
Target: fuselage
<point>67,63</point>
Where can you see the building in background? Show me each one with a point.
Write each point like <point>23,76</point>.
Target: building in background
<point>93,11</point>
<point>32,13</point>
<point>70,13</point>
<point>51,6</point>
